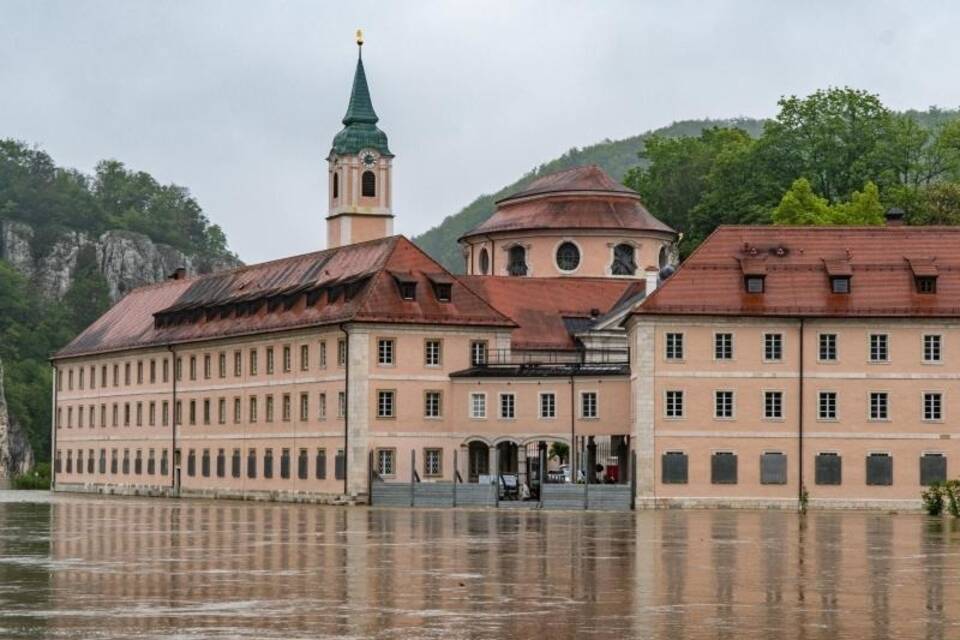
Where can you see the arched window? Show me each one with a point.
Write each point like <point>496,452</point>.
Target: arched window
<point>484,261</point>
<point>568,256</point>
<point>664,257</point>
<point>517,265</point>
<point>624,263</point>
<point>368,184</point>
<point>336,185</point>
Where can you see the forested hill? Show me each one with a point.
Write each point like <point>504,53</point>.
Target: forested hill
<point>616,157</point>
<point>70,245</point>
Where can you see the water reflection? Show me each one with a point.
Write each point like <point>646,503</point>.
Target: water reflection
<point>120,568</point>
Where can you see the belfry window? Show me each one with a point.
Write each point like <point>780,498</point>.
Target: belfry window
<point>368,184</point>
<point>624,263</point>
<point>336,185</point>
<point>517,264</point>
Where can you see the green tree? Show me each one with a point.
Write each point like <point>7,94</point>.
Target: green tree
<point>801,206</point>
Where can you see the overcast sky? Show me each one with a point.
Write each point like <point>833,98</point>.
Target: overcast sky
<point>239,101</point>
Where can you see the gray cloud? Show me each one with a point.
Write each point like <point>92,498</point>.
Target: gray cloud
<point>239,100</point>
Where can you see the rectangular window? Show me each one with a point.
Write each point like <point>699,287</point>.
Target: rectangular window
<point>253,362</point>
<point>303,465</point>
<point>933,468</point>
<point>103,376</point>
<point>932,348</point>
<point>192,463</point>
<point>880,469</point>
<point>589,407</point>
<point>773,347</point>
<point>268,463</point>
<point>269,361</point>
<point>178,413</point>
<point>166,370</point>
<point>879,405</point>
<point>341,352</point>
<point>268,408</point>
<point>221,463</point>
<point>508,405</point>
<point>323,354</point>
<point>478,353</point>
<point>285,463</point>
<point>773,405</point>
<point>165,413</point>
<point>178,369</point>
<point>237,364</point>
<point>754,284</point>
<point>251,463</point>
<point>304,407</point>
<point>548,405</point>
<point>114,420</point>
<point>207,366</point>
<point>322,406</point>
<point>933,406</point>
<point>153,371</point>
<point>385,348</point>
<point>828,469</point>
<point>827,405</point>
<point>341,404</point>
<point>126,415</point>
<point>93,377</point>
<point>222,411</point>
<point>235,464</point>
<point>840,284</point>
<point>126,374</point>
<point>723,404</point>
<point>206,411</point>
<point>103,416</point>
<point>385,404</point>
<point>80,381</point>
<point>431,353</point>
<point>723,468</point>
<point>674,346</point>
<point>879,347</point>
<point>252,411</point>
<point>285,408</point>
<point>385,462</point>
<point>205,463</point>
<point>237,410</point>
<point>773,468</point>
<point>287,359</point>
<point>674,467</point>
<point>432,404</point>
<point>321,464</point>
<point>222,364</point>
<point>674,404</point>
<point>723,346</point>
<point>116,375</point>
<point>304,357</point>
<point>433,462</point>
<point>828,347</point>
<point>193,367</point>
<point>478,405</point>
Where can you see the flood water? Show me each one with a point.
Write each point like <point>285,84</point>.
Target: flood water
<point>85,567</point>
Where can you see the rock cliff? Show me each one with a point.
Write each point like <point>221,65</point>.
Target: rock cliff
<point>126,259</point>
<point>16,455</point>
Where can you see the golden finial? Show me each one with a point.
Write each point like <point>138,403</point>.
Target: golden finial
<point>359,37</point>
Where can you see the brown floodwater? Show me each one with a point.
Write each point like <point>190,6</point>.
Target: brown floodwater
<point>85,567</point>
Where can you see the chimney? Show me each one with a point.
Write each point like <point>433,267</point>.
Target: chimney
<point>653,280</point>
<point>178,274</point>
<point>894,216</point>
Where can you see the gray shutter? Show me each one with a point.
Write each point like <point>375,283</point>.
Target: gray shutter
<point>302,463</point>
<point>339,466</point>
<point>879,470</point>
<point>673,468</point>
<point>268,466</point>
<point>284,465</point>
<point>933,468</point>
<point>251,466</point>
<point>723,468</point>
<point>221,465</point>
<point>829,469</point>
<point>322,464</point>
<point>773,468</point>
<point>235,464</point>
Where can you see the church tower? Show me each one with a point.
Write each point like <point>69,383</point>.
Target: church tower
<point>360,179</point>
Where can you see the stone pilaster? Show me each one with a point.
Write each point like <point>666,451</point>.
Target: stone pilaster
<point>358,411</point>
<point>642,392</point>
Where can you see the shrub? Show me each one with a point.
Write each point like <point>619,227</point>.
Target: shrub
<point>952,489</point>
<point>37,479</point>
<point>933,499</point>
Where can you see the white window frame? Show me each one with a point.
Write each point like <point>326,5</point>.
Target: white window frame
<point>439,353</point>
<point>733,404</point>
<point>596,404</point>
<point>503,397</point>
<point>886,348</point>
<point>768,337</point>
<point>870,395</point>
<point>764,396</point>
<point>923,348</point>
<point>553,405</point>
<point>836,405</point>
<point>940,405</point>
<point>387,462</point>
<point>671,341</point>
<point>667,408</point>
<point>386,352</point>
<point>384,394</point>
<point>426,404</point>
<point>836,347</point>
<point>716,346</point>
<point>482,397</point>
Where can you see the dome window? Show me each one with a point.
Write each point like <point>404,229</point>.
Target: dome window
<point>624,261</point>
<point>568,257</point>
<point>368,184</point>
<point>484,261</point>
<point>517,264</point>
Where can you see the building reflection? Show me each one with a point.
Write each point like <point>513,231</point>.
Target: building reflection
<point>125,567</point>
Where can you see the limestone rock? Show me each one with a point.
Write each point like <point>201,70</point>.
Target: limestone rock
<point>16,455</point>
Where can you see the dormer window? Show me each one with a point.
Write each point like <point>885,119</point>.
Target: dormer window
<point>443,291</point>
<point>408,290</point>
<point>754,284</point>
<point>442,286</point>
<point>926,284</point>
<point>840,284</point>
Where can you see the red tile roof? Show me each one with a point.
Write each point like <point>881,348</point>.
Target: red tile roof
<point>578,198</point>
<point>351,283</point>
<point>540,305</point>
<point>797,263</point>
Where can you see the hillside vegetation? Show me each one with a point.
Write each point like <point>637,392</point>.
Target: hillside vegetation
<point>628,159</point>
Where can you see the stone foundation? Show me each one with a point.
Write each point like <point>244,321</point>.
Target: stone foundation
<point>212,494</point>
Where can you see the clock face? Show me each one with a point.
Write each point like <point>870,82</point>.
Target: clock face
<point>368,159</point>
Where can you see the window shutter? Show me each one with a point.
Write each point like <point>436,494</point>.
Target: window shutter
<point>828,469</point>
<point>879,470</point>
<point>723,468</point>
<point>773,468</point>
<point>933,468</point>
<point>674,468</point>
